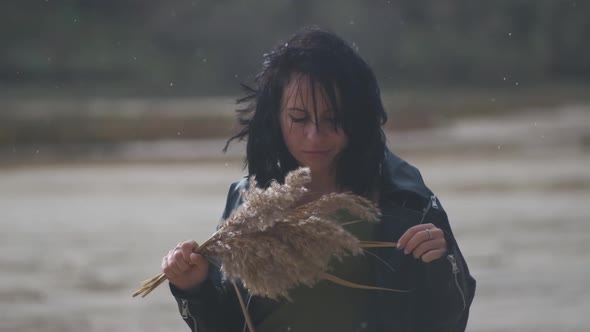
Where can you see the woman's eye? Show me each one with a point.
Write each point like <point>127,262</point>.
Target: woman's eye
<point>298,119</point>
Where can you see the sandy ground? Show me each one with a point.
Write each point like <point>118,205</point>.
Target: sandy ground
<point>75,240</point>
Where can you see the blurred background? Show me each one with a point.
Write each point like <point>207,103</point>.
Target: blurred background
<point>113,115</point>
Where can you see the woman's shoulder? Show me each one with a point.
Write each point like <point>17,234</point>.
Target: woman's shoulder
<point>241,184</point>
<point>399,175</point>
<point>402,183</point>
<point>234,196</point>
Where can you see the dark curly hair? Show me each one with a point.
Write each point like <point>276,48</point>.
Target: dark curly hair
<point>352,90</point>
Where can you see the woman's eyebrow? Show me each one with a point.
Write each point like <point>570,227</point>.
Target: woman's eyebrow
<point>327,111</point>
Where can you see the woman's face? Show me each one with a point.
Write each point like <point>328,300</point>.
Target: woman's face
<point>313,142</point>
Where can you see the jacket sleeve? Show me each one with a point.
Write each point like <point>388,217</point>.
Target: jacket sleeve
<point>213,306</point>
<point>446,286</point>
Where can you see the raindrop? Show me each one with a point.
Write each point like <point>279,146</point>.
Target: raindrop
<point>75,20</point>
<point>171,84</point>
<point>535,124</point>
<point>499,147</point>
<point>493,100</point>
<point>516,83</point>
<point>48,58</point>
<point>178,133</point>
<point>503,78</point>
<point>236,76</point>
<point>509,34</point>
<point>542,136</point>
<point>226,164</point>
<point>204,60</point>
<point>134,58</point>
<point>356,48</point>
<point>351,22</point>
<point>36,151</point>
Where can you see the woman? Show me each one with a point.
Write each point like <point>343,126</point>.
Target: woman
<point>317,103</point>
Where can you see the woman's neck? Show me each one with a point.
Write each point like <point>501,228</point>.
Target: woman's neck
<point>322,183</point>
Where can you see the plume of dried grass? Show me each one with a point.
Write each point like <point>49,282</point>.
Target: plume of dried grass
<point>271,245</point>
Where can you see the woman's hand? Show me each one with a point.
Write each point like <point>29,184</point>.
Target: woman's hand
<point>183,267</point>
<point>424,241</point>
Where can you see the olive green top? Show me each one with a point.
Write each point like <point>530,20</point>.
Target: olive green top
<point>328,306</point>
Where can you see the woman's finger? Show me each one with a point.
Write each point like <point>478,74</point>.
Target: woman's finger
<point>174,266</point>
<point>197,259</point>
<point>402,243</point>
<point>167,269</point>
<point>426,234</point>
<point>427,246</point>
<point>163,265</point>
<point>186,248</point>
<point>433,255</point>
<point>183,264</point>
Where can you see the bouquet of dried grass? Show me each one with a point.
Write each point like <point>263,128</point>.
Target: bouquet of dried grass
<point>271,245</point>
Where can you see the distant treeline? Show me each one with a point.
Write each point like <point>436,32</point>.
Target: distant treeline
<point>183,47</point>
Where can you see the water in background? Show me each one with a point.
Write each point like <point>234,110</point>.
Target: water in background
<point>76,240</point>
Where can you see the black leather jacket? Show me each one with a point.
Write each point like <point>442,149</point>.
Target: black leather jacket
<point>442,290</point>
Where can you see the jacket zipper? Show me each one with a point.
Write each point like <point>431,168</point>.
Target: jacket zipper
<point>431,204</point>
<point>185,312</point>
<point>453,261</point>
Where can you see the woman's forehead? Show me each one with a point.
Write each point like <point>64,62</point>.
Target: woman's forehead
<point>301,91</point>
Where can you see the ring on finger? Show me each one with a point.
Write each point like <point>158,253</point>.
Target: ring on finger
<point>429,234</point>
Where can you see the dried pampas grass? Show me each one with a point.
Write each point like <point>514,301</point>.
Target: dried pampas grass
<point>271,245</point>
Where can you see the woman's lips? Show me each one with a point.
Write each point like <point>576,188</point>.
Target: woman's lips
<point>316,153</point>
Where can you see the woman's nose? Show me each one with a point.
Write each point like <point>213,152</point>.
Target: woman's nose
<point>313,131</point>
